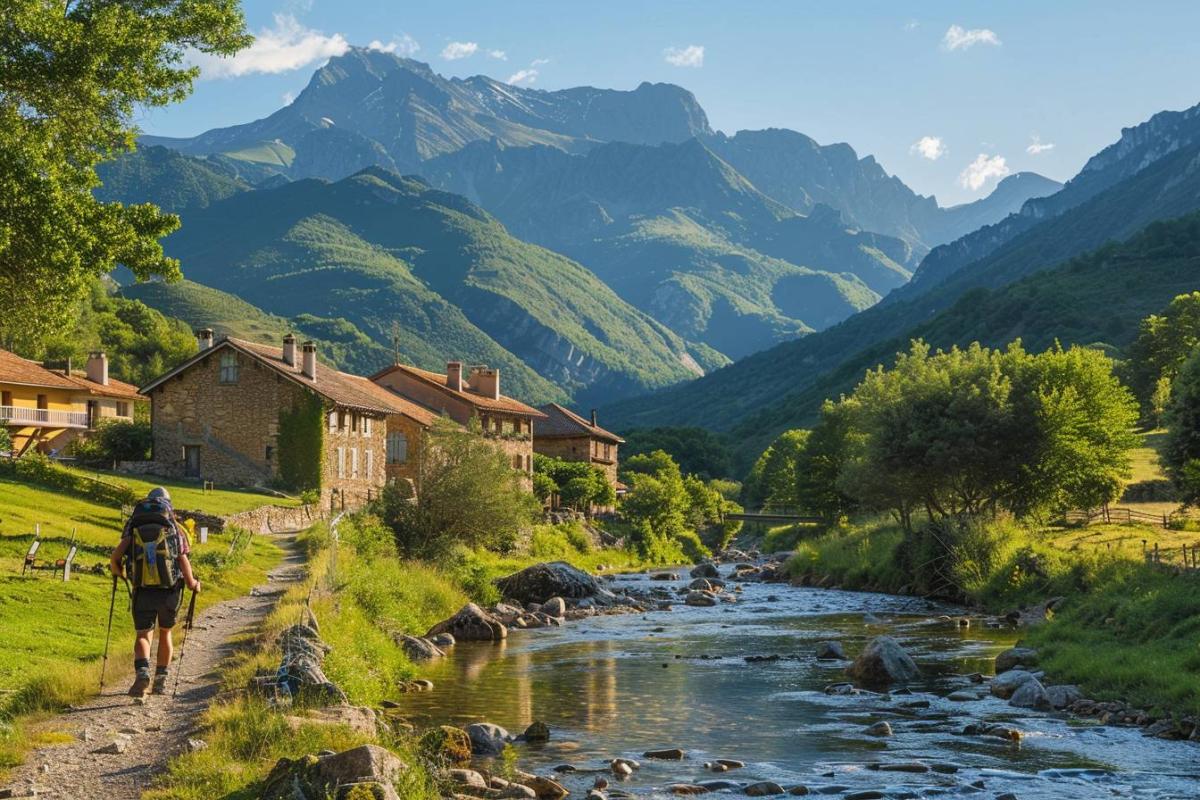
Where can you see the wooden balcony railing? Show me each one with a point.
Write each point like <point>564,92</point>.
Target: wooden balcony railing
<point>42,417</point>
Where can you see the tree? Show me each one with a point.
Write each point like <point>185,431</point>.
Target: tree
<point>467,494</point>
<point>579,485</point>
<point>5,440</point>
<point>1164,341</point>
<point>825,455</point>
<point>696,450</point>
<point>775,471</point>
<point>72,76</point>
<point>1181,452</point>
<point>113,441</point>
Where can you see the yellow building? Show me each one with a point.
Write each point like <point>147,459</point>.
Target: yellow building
<point>48,409</point>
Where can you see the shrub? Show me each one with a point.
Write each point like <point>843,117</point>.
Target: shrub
<point>113,441</point>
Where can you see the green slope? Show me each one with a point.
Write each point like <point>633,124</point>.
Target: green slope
<point>339,342</point>
<point>386,253</point>
<point>168,179</point>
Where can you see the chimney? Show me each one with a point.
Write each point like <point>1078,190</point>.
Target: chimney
<point>594,418</point>
<point>310,361</point>
<point>454,375</point>
<point>486,381</point>
<point>204,338</point>
<point>97,368</point>
<point>289,350</point>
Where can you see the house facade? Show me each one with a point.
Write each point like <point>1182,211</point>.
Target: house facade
<point>242,413</point>
<point>47,409</point>
<point>470,396</point>
<point>566,435</point>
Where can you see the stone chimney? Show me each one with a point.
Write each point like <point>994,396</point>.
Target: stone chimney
<point>289,350</point>
<point>594,418</point>
<point>486,381</point>
<point>454,375</point>
<point>204,338</point>
<point>310,361</point>
<point>97,368</point>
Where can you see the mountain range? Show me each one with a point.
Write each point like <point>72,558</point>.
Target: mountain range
<point>594,243</point>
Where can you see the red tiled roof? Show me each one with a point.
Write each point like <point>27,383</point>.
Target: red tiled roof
<point>14,369</point>
<point>561,421</point>
<point>114,388</point>
<point>438,380</point>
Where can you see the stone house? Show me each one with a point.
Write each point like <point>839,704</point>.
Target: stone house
<point>464,398</point>
<point>242,413</point>
<point>48,408</point>
<point>566,435</point>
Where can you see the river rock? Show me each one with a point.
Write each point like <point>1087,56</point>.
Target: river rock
<point>517,791</point>
<point>702,599</point>
<point>365,771</point>
<point>883,662</point>
<point>705,570</point>
<point>1030,694</point>
<point>687,788</point>
<point>302,662</point>
<point>1063,695</point>
<point>470,624</point>
<point>443,640</point>
<point>881,728</point>
<point>669,754</point>
<point>1016,657</point>
<point>467,779</point>
<point>865,794</point>
<point>419,649</point>
<point>445,744</point>
<point>830,651</point>
<point>1004,684</point>
<point>537,731</point>
<point>705,584</point>
<point>554,607</point>
<point>620,768</point>
<point>719,785</point>
<point>763,789</point>
<point>540,582</point>
<point>487,739</point>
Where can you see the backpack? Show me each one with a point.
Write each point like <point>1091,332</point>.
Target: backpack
<point>151,560</point>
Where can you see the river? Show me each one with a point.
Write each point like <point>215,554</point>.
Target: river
<point>619,685</point>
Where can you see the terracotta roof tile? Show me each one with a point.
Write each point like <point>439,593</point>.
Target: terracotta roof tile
<point>438,379</point>
<point>14,369</point>
<point>561,421</point>
<point>114,388</point>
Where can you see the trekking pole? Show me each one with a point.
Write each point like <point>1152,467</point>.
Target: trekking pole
<point>112,604</point>
<point>187,626</point>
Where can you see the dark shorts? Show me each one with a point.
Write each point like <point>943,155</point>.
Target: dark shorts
<point>161,605</point>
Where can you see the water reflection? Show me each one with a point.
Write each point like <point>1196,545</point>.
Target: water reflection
<point>621,685</point>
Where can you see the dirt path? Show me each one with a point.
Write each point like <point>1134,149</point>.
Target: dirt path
<point>158,730</point>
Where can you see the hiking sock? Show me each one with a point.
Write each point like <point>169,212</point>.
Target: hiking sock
<point>160,670</point>
<point>142,665</point>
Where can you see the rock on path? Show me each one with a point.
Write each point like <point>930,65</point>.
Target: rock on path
<point>150,734</point>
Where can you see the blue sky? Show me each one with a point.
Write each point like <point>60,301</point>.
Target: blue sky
<point>949,96</point>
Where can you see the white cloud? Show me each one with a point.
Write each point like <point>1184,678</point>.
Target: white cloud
<point>959,38</point>
<point>690,56</point>
<point>457,50</point>
<point>499,55</point>
<point>403,45</point>
<point>983,169</point>
<point>537,62</point>
<point>523,76</point>
<point>930,147</point>
<point>285,47</point>
<point>1037,146</point>
<point>288,97</point>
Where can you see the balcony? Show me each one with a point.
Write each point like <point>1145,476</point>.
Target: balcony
<point>21,417</point>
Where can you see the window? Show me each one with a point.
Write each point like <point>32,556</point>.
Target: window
<point>341,462</point>
<point>270,453</point>
<point>229,368</point>
<point>332,421</point>
<point>354,422</point>
<point>397,448</point>
<point>353,462</point>
<point>517,461</point>
<point>370,465</point>
<point>607,451</point>
<point>529,463</point>
<point>122,409</point>
<point>366,426</point>
<point>341,420</point>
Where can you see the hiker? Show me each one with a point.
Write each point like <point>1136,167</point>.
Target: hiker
<point>153,556</point>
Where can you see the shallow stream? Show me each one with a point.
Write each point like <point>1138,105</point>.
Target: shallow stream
<point>620,685</point>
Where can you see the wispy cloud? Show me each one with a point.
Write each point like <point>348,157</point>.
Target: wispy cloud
<point>457,50</point>
<point>403,45</point>
<point>983,169</point>
<point>930,147</point>
<point>537,62</point>
<point>523,77</point>
<point>288,97</point>
<point>283,48</point>
<point>499,55</point>
<point>1037,146</point>
<point>690,56</point>
<point>959,38</point>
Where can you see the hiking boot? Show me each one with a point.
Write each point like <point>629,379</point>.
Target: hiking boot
<point>141,684</point>
<point>160,684</point>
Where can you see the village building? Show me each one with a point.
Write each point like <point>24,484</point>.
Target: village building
<point>467,398</point>
<point>47,409</point>
<point>242,413</point>
<point>566,435</point>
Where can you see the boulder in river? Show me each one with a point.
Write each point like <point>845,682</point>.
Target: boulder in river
<point>1004,684</point>
<point>830,651</point>
<point>763,789</point>
<point>1030,694</point>
<point>697,598</point>
<point>445,744</point>
<point>418,648</point>
<point>705,570</point>
<point>487,739</point>
<point>555,607</point>
<point>537,731</point>
<point>668,754</point>
<point>470,624</point>
<point>540,582</point>
<point>1063,695</point>
<point>883,662</point>
<point>882,728</point>
<point>1016,657</point>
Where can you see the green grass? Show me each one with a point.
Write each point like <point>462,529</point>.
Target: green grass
<point>1145,460</point>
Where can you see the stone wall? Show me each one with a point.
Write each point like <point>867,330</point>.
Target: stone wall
<point>580,448</point>
<point>414,434</point>
<point>363,460</point>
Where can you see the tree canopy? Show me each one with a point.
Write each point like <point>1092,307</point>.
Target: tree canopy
<point>72,76</point>
<point>1164,341</point>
